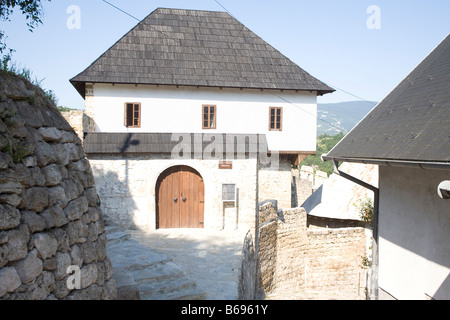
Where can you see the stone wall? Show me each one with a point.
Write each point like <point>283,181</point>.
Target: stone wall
<point>304,182</point>
<point>292,258</point>
<point>75,118</point>
<point>126,185</point>
<point>333,261</point>
<point>301,189</point>
<point>52,238</point>
<point>248,272</point>
<point>316,177</point>
<point>291,244</point>
<point>79,121</point>
<point>274,182</point>
<point>267,244</point>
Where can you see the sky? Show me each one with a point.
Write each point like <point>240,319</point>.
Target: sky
<point>361,48</point>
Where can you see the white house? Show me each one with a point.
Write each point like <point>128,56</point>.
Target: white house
<point>408,136</point>
<point>194,120</point>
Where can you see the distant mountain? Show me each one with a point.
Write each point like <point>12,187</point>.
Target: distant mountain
<point>343,116</point>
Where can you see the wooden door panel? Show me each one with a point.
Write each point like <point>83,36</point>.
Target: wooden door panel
<point>184,185</point>
<point>176,205</point>
<point>181,183</point>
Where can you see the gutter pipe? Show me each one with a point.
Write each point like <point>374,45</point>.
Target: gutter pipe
<point>376,192</point>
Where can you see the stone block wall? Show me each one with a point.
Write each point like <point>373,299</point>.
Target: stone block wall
<point>127,188</point>
<point>248,271</point>
<point>333,259</point>
<point>274,182</point>
<point>79,121</point>
<point>291,243</point>
<point>304,182</point>
<point>52,238</point>
<point>75,119</point>
<point>292,258</point>
<point>302,189</point>
<point>316,177</point>
<point>267,244</point>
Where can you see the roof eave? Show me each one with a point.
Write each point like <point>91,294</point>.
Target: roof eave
<point>80,86</point>
<point>391,162</point>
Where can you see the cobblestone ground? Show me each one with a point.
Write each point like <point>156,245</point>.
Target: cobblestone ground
<point>211,258</point>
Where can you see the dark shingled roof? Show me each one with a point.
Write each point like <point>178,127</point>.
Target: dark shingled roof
<point>165,143</point>
<point>412,124</point>
<point>196,48</point>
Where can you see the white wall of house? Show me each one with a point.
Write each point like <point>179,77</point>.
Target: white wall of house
<point>414,245</point>
<point>171,109</point>
<point>127,185</point>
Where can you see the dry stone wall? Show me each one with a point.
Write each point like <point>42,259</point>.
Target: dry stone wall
<point>52,237</point>
<point>79,121</point>
<point>291,258</point>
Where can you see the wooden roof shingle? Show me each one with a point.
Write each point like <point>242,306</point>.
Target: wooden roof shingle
<point>196,48</point>
<point>165,143</point>
<point>412,123</point>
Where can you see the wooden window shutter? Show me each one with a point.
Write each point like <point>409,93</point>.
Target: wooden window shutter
<point>209,117</point>
<point>137,115</point>
<point>132,115</point>
<point>275,119</point>
<point>125,114</point>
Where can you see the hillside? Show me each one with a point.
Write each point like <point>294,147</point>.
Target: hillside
<point>325,143</point>
<point>343,116</point>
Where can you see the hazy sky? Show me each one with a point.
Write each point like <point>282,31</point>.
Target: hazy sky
<point>361,48</point>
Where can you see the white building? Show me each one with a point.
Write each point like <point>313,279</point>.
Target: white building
<point>408,136</point>
<point>188,105</point>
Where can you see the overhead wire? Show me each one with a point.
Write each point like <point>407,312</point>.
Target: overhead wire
<point>234,72</point>
<point>123,11</point>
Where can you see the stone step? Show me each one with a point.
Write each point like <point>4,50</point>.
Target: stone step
<point>117,236</point>
<point>158,272</point>
<point>156,290</point>
<point>131,255</point>
<point>110,228</point>
<point>149,275</point>
<point>185,294</point>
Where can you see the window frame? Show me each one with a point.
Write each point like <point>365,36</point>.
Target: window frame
<point>208,119</point>
<point>275,121</point>
<point>125,116</point>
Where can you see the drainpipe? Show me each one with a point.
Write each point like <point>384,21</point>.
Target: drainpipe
<point>376,200</point>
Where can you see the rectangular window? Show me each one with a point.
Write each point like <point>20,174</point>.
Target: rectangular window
<point>209,114</point>
<point>132,115</point>
<point>275,118</point>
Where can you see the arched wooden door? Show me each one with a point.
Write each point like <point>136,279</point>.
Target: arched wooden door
<point>180,194</point>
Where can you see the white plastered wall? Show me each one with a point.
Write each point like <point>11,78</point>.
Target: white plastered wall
<point>414,224</point>
<point>171,109</point>
<point>126,186</point>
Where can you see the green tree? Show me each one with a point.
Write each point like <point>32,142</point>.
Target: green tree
<point>32,9</point>
<point>324,144</point>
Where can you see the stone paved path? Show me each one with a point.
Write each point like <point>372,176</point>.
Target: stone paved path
<point>142,273</point>
<point>211,258</point>
<point>187,264</point>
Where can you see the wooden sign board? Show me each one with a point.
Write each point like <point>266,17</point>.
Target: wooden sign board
<point>225,165</point>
